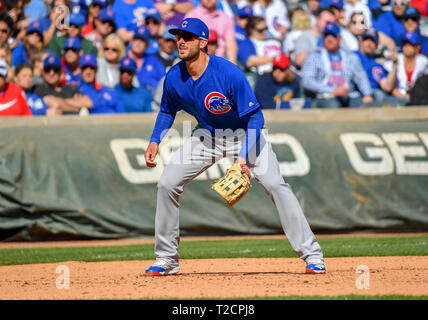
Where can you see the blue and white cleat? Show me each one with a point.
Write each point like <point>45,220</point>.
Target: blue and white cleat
<point>315,266</point>
<point>163,268</point>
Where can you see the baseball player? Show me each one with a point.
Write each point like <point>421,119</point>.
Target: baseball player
<point>230,123</point>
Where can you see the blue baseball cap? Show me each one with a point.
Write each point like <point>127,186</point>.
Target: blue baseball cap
<point>370,33</point>
<point>142,33</point>
<point>72,43</point>
<point>52,61</point>
<point>168,36</point>
<point>412,38</point>
<point>77,19</point>
<point>101,3</point>
<point>192,25</point>
<point>106,14</point>
<point>153,14</point>
<point>88,60</point>
<point>35,27</point>
<point>128,63</point>
<point>245,11</point>
<point>331,28</point>
<point>337,4</point>
<point>412,13</point>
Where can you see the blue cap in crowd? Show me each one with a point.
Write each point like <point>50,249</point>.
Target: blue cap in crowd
<point>77,19</point>
<point>337,4</point>
<point>412,38</point>
<point>106,14</point>
<point>52,61</point>
<point>88,60</point>
<point>168,36</point>
<point>245,11</point>
<point>101,3</point>
<point>331,28</point>
<point>128,63</point>
<point>192,25</point>
<point>142,33</point>
<point>412,13</point>
<point>153,14</point>
<point>35,27</point>
<point>370,33</point>
<point>73,43</point>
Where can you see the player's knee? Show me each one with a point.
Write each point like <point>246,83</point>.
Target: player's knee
<point>167,184</point>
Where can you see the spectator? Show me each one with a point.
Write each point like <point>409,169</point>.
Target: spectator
<point>149,68</point>
<point>337,7</point>
<point>381,81</point>
<point>353,6</point>
<point>71,67</point>
<point>104,25</point>
<point>76,22</point>
<point>357,25</point>
<point>153,22</point>
<point>411,20</point>
<point>390,25</point>
<point>65,99</point>
<point>275,14</point>
<point>56,24</point>
<point>168,49</point>
<point>329,74</point>
<point>222,23</point>
<point>300,22</point>
<point>6,55</point>
<point>112,50</point>
<point>104,100</point>
<point>24,79</point>
<point>241,18</point>
<point>93,11</point>
<point>277,86</point>
<point>410,65</point>
<point>134,99</point>
<point>257,52</point>
<point>313,7</point>
<point>129,15</point>
<point>33,42</point>
<point>16,46</point>
<point>212,45</point>
<point>12,101</point>
<point>37,66</point>
<point>173,11</point>
<point>311,39</point>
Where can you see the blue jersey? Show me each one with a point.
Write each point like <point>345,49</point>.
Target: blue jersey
<point>151,72</point>
<point>375,71</point>
<point>72,79</point>
<point>130,14</point>
<point>135,100</point>
<point>37,105</point>
<point>388,24</point>
<point>218,99</point>
<point>104,100</point>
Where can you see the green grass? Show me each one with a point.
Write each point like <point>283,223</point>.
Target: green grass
<point>248,248</point>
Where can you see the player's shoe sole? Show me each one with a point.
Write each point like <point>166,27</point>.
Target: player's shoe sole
<point>315,268</point>
<point>162,271</point>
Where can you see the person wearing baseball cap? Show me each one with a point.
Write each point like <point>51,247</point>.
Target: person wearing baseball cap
<point>212,42</point>
<point>12,97</point>
<point>103,26</point>
<point>93,11</point>
<point>241,17</point>
<point>410,66</point>
<point>167,52</point>
<point>104,100</point>
<point>72,52</point>
<point>133,98</point>
<point>390,25</point>
<point>332,75</point>
<point>411,20</point>
<point>280,85</point>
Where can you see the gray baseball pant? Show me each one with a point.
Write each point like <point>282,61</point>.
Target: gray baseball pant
<point>195,156</point>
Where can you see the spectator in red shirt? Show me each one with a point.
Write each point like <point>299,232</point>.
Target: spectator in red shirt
<point>12,98</point>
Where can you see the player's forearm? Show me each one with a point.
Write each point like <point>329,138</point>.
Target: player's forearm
<point>387,84</point>
<point>164,121</point>
<point>254,61</point>
<point>255,125</point>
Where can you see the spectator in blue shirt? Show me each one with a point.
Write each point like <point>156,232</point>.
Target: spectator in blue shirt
<point>241,21</point>
<point>134,99</point>
<point>381,81</point>
<point>104,100</point>
<point>411,20</point>
<point>71,67</point>
<point>390,25</point>
<point>329,74</point>
<point>153,22</point>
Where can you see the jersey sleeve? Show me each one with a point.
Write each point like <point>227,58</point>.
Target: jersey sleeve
<point>167,102</point>
<point>245,50</point>
<point>241,93</point>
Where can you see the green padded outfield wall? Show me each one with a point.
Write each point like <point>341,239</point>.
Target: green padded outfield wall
<point>85,177</point>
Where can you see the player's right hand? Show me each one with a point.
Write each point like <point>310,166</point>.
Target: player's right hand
<point>150,155</point>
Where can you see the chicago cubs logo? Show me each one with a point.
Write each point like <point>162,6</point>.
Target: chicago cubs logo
<point>217,103</point>
<point>377,73</point>
<point>184,24</point>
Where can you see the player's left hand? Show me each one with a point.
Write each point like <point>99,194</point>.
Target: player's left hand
<point>241,161</point>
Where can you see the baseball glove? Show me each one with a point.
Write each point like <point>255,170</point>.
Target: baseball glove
<point>233,186</point>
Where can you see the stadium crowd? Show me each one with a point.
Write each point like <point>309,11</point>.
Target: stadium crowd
<point>61,57</point>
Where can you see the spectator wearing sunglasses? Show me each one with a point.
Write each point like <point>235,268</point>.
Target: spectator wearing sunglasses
<point>104,25</point>
<point>112,50</point>
<point>104,100</point>
<point>134,99</point>
<point>357,26</point>
<point>411,20</point>
<point>329,74</point>
<point>70,61</point>
<point>168,49</point>
<point>352,6</point>
<point>390,25</point>
<point>150,70</point>
<point>33,41</point>
<point>93,10</point>
<point>76,22</point>
<point>16,46</point>
<point>277,86</point>
<point>65,99</point>
<point>153,22</point>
